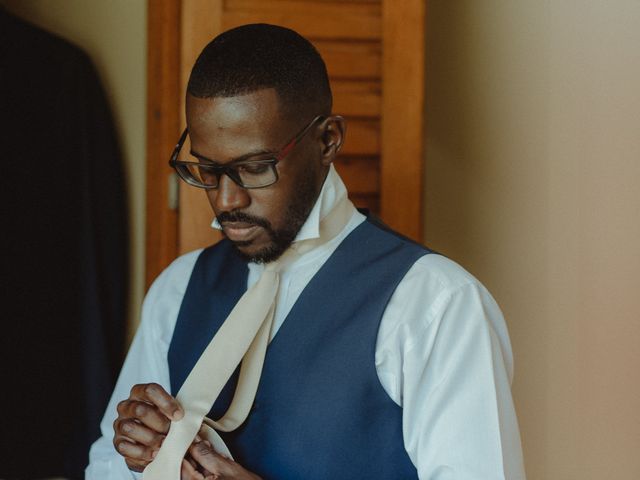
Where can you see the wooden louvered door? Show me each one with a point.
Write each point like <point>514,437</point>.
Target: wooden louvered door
<point>374,55</point>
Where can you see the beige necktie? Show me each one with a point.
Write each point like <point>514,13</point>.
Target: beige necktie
<point>243,337</point>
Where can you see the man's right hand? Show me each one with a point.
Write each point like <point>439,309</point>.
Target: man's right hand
<point>143,422</point>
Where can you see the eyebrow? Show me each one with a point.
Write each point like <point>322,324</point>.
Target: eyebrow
<point>241,158</point>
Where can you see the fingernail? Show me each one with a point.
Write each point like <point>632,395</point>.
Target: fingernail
<point>177,415</point>
<point>198,438</point>
<point>154,453</point>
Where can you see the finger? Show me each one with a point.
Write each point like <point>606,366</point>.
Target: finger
<point>134,454</point>
<point>145,413</point>
<point>158,396</point>
<point>134,466</point>
<point>188,472</point>
<point>190,459</point>
<point>208,458</point>
<point>139,433</point>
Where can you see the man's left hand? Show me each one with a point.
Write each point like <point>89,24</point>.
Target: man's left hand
<point>217,467</point>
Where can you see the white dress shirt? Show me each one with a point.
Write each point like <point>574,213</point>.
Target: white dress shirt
<point>442,354</point>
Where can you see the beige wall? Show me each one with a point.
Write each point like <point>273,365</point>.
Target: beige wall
<point>533,183</point>
<point>113,33</point>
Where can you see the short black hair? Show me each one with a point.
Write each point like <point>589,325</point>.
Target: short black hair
<point>256,56</point>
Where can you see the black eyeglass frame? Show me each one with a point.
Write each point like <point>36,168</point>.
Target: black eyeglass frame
<point>230,168</point>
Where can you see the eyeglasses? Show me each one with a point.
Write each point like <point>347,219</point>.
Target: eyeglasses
<point>247,173</point>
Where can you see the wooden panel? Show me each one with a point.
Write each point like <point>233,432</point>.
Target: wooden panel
<point>351,60</point>
<point>362,137</point>
<point>360,174</point>
<point>163,94</point>
<point>201,22</point>
<point>195,228</point>
<point>370,202</point>
<point>314,20</point>
<point>356,99</point>
<point>402,116</point>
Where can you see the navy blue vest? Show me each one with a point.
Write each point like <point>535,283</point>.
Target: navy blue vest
<point>320,411</point>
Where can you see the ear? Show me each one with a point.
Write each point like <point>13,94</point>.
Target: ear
<point>333,129</point>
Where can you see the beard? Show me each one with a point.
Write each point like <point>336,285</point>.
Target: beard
<point>296,214</point>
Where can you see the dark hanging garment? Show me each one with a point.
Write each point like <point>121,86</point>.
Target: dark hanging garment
<point>64,254</point>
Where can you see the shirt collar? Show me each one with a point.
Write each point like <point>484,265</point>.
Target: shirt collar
<point>333,190</point>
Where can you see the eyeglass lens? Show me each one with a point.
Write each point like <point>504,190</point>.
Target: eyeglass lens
<point>254,174</point>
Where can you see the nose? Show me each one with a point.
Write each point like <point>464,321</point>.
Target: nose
<point>228,196</point>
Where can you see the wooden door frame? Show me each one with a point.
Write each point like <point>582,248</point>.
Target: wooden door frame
<point>163,123</point>
<point>402,122</point>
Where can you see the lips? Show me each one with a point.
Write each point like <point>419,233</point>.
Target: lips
<point>239,231</point>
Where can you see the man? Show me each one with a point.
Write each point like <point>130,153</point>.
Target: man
<point>386,360</point>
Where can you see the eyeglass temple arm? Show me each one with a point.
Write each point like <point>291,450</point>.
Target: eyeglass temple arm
<point>285,151</point>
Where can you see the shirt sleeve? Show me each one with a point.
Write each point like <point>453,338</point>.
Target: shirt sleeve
<point>146,362</point>
<point>443,355</point>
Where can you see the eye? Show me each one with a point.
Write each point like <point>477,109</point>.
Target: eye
<point>207,174</point>
<point>254,168</point>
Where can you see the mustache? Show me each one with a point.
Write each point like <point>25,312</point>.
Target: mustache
<point>245,218</point>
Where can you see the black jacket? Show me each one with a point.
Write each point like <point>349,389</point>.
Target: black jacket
<point>64,250</point>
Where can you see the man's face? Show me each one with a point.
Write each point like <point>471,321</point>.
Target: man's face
<point>261,222</point>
